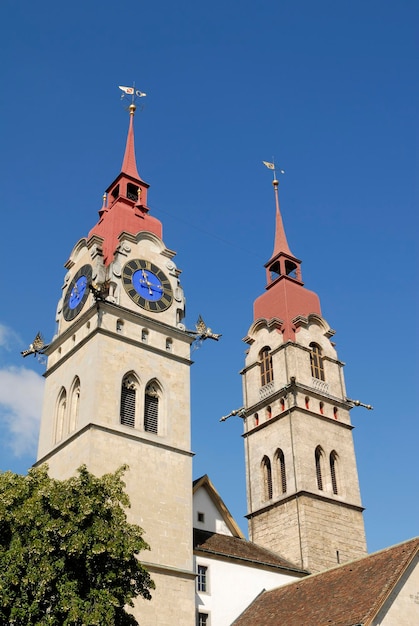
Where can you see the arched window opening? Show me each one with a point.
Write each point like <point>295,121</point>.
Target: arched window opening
<point>319,458</point>
<point>128,401</point>
<point>333,471</point>
<point>115,192</point>
<point>307,402</point>
<point>335,412</point>
<point>74,404</point>
<point>151,408</point>
<point>268,412</point>
<point>290,269</point>
<point>282,404</point>
<point>282,476</point>
<point>275,270</point>
<point>266,369</point>
<point>144,335</point>
<point>321,407</point>
<point>119,326</point>
<point>256,417</point>
<point>267,478</point>
<point>316,362</point>
<point>169,344</point>
<point>61,411</point>
<point>132,192</point>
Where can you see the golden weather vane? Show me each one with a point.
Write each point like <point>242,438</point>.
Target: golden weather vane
<point>131,91</point>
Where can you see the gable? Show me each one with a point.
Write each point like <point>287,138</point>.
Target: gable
<point>402,606</point>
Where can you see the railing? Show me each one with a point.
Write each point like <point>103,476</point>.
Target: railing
<point>320,385</point>
<point>266,390</point>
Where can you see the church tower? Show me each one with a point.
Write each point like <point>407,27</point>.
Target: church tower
<point>302,482</point>
<point>118,383</point>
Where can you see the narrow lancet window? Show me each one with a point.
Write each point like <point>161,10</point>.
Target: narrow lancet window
<point>266,369</point>
<point>151,408</point>
<point>267,478</point>
<point>333,471</point>
<point>282,476</point>
<point>316,362</point>
<point>128,401</point>
<point>319,458</point>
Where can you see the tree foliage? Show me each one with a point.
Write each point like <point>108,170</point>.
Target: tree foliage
<point>68,556</point>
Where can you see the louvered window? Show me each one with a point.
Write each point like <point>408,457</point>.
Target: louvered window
<point>127,412</point>
<point>333,460</point>
<point>318,457</point>
<point>267,478</point>
<point>282,472</point>
<point>151,410</point>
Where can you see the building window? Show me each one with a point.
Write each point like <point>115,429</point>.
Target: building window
<point>319,458</point>
<point>203,619</point>
<point>74,404</point>
<point>151,408</point>
<point>268,412</point>
<point>119,326</point>
<point>335,412</point>
<point>256,418</point>
<point>321,407</point>
<point>267,478</point>
<point>282,476</point>
<point>202,578</point>
<point>333,463</point>
<point>282,404</point>
<point>316,361</point>
<point>128,401</point>
<point>169,345</point>
<point>132,192</point>
<point>307,402</point>
<point>61,411</point>
<point>266,370</point>
<point>144,335</point>
<point>201,517</point>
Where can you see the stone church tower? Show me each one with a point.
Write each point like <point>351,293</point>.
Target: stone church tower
<point>302,482</point>
<point>118,383</point>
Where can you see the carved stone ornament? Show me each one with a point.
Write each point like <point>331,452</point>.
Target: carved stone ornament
<point>116,268</point>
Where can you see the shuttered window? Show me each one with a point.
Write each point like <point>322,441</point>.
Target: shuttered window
<point>127,412</point>
<point>319,462</point>
<point>151,412</point>
<point>267,478</point>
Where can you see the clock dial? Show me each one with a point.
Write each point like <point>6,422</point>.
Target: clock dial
<point>147,286</point>
<point>77,293</point>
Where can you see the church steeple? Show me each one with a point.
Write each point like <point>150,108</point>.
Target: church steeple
<point>125,205</point>
<point>285,297</point>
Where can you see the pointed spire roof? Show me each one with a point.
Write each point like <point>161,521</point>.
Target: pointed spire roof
<point>285,298</point>
<point>281,243</point>
<point>129,164</point>
<point>125,207</point>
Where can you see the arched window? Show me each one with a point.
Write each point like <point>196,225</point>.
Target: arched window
<point>316,361</point>
<point>266,370</point>
<point>128,400</point>
<point>319,458</point>
<point>281,473</point>
<point>61,414</point>
<point>151,407</point>
<point>74,404</point>
<point>333,471</point>
<point>267,478</point>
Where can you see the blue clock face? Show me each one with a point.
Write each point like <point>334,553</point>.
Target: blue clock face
<point>147,285</point>
<point>77,293</point>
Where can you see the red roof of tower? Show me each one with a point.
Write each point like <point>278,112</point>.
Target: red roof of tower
<point>285,296</point>
<point>125,205</point>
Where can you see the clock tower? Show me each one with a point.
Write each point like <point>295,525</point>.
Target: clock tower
<point>302,483</point>
<point>117,383</point>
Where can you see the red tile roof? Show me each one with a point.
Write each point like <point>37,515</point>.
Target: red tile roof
<point>346,595</point>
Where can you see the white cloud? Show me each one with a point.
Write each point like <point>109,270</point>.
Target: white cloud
<point>21,393</point>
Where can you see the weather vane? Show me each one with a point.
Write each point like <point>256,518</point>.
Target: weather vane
<point>131,91</point>
<point>271,166</point>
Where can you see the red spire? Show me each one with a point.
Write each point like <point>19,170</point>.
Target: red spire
<point>285,297</point>
<point>129,165</point>
<point>125,203</point>
<point>281,244</point>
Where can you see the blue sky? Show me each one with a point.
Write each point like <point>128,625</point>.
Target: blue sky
<point>330,89</point>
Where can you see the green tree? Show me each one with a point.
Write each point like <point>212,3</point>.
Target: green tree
<point>68,556</point>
